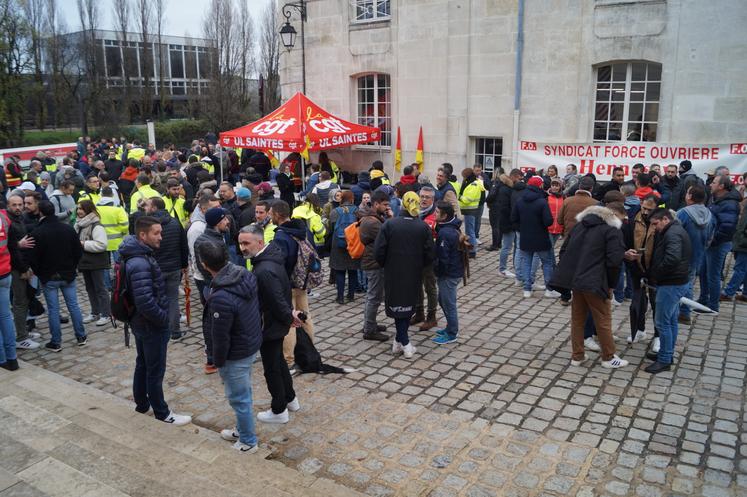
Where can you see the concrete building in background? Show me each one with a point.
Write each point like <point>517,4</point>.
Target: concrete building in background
<point>670,71</point>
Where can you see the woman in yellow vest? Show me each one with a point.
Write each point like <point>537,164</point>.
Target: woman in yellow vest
<point>311,213</point>
<point>469,203</point>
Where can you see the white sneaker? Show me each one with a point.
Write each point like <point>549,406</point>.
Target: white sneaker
<point>396,347</point>
<point>478,241</point>
<point>591,344</point>
<point>614,363</point>
<point>178,419</point>
<point>103,321</point>
<point>270,417</point>
<point>408,350</point>
<point>518,282</point>
<point>655,345</point>
<point>294,405</point>
<point>507,274</point>
<point>244,448</point>
<point>538,287</point>
<point>34,335</point>
<point>639,335</point>
<point>182,318</point>
<point>616,303</point>
<point>527,294</point>
<point>552,294</point>
<point>90,318</point>
<point>27,344</point>
<point>578,363</point>
<point>230,435</point>
<point>312,295</point>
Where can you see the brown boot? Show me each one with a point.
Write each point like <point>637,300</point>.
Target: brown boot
<point>430,322</point>
<point>419,317</point>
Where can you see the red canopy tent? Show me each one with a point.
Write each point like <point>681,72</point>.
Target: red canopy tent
<point>289,127</point>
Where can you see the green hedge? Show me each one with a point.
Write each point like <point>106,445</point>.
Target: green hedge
<point>179,132</point>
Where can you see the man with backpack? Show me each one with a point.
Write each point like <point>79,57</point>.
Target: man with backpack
<point>371,219</point>
<point>142,289</point>
<point>288,234</point>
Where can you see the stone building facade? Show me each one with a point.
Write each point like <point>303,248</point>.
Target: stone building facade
<point>672,71</point>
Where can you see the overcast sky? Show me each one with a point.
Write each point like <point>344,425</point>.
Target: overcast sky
<point>184,16</point>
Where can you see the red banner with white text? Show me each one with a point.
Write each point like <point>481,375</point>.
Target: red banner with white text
<point>601,158</point>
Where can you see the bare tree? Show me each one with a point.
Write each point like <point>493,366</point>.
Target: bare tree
<point>160,10</point>
<point>55,27</point>
<point>88,90</point>
<point>144,10</point>
<point>269,58</point>
<point>14,63</point>
<point>33,10</point>
<point>121,9</point>
<point>246,40</point>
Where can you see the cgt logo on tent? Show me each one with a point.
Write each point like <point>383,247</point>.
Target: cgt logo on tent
<point>328,125</point>
<point>267,128</point>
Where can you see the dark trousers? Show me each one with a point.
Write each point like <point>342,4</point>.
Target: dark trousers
<point>495,230</point>
<point>352,282</point>
<point>150,367</point>
<point>277,376</point>
<point>401,325</point>
<point>205,332</point>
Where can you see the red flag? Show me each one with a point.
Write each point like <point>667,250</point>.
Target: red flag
<point>419,152</point>
<point>398,153</point>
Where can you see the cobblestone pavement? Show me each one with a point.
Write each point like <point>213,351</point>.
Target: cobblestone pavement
<point>501,412</point>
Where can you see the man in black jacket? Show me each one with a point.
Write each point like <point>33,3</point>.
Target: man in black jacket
<point>274,291</point>
<point>54,259</point>
<point>670,269</point>
<point>234,321</point>
<point>246,208</point>
<point>172,256</point>
<point>509,188</point>
<point>150,324</point>
<point>590,262</point>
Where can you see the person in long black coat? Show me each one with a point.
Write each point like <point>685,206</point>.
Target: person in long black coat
<point>285,186</point>
<point>532,215</point>
<point>403,247</point>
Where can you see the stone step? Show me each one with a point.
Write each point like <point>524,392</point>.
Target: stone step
<point>92,432</point>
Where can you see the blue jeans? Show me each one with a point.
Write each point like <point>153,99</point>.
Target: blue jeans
<point>447,299</point>
<point>739,278</point>
<point>665,318</point>
<point>150,367</point>
<point>619,291</point>
<point>7,326</point>
<point>715,257</point>
<point>237,383</point>
<point>528,261</point>
<point>685,309</point>
<point>507,247</point>
<point>50,290</point>
<point>469,228</point>
<point>340,282</point>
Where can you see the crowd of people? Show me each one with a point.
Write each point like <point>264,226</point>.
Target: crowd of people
<point>141,225</point>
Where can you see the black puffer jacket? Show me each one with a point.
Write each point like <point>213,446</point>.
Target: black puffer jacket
<point>56,251</point>
<point>499,201</point>
<point>173,254</point>
<point>147,285</point>
<point>274,291</point>
<point>592,254</point>
<point>670,263</point>
<point>532,214</point>
<point>233,317</point>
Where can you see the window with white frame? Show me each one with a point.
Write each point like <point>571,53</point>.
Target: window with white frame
<point>374,105</point>
<point>488,153</point>
<point>372,10</point>
<point>627,101</point>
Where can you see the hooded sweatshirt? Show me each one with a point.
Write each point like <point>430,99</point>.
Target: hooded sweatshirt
<point>285,235</point>
<point>64,205</point>
<point>700,225</point>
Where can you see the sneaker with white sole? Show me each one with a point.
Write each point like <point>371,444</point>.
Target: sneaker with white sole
<point>639,335</point>
<point>507,274</point>
<point>396,347</point>
<point>616,302</point>
<point>591,344</point>
<point>182,318</point>
<point>230,435</point>
<point>244,448</point>
<point>538,287</point>
<point>90,318</point>
<point>270,417</point>
<point>103,321</point>
<point>518,282</point>
<point>578,363</point>
<point>614,363</point>
<point>408,350</point>
<point>655,345</point>
<point>34,335</point>
<point>27,344</point>
<point>294,405</point>
<point>527,294</point>
<point>552,294</point>
<point>177,419</point>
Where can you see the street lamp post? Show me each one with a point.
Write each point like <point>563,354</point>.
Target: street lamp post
<point>288,34</point>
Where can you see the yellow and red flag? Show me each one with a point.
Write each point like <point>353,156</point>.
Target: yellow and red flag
<point>305,151</point>
<point>273,160</point>
<point>398,153</point>
<point>419,152</point>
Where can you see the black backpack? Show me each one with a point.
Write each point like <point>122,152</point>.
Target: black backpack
<point>122,305</point>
